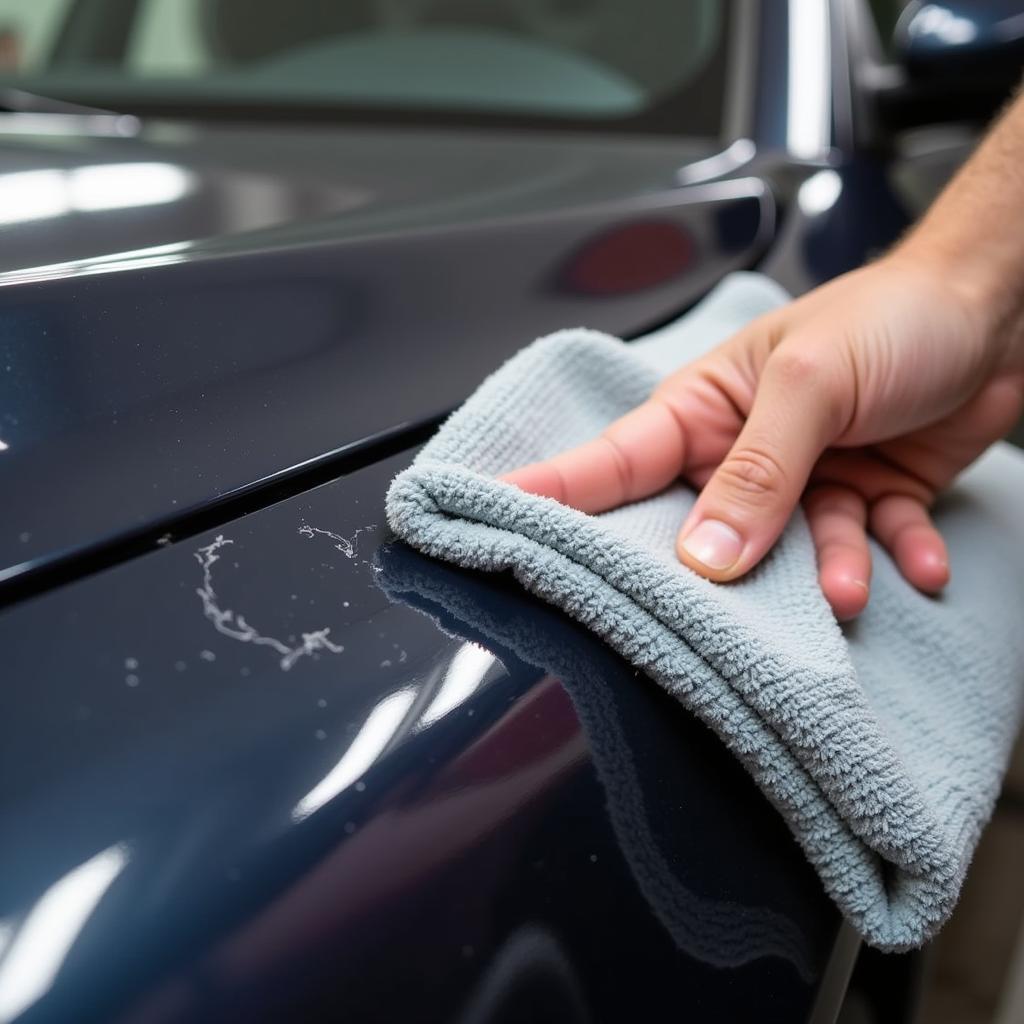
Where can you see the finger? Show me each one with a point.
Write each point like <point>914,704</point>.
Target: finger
<point>905,529</point>
<point>748,500</point>
<point>837,517</point>
<point>637,455</point>
<point>871,474</point>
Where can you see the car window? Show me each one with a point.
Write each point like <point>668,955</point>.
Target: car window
<point>28,31</point>
<point>592,59</point>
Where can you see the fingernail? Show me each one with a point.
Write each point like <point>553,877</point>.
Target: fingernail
<point>717,545</point>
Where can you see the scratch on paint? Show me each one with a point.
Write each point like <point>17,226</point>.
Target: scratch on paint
<point>346,545</point>
<point>233,625</point>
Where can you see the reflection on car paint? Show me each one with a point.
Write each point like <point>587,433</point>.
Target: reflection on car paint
<point>214,372</point>
<point>382,725</point>
<point>43,194</point>
<point>464,675</point>
<point>722,932</point>
<point>38,944</point>
<point>295,836</point>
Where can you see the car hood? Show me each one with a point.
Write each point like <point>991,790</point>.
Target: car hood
<point>190,313</point>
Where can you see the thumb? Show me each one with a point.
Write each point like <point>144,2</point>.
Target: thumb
<point>747,502</point>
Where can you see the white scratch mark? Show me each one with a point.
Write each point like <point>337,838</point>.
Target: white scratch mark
<point>346,545</point>
<point>233,625</point>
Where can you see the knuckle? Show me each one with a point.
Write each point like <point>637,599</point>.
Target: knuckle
<point>798,367</point>
<point>675,418</point>
<point>665,397</point>
<point>815,379</point>
<point>622,464</point>
<point>753,474</point>
<point>917,489</point>
<point>845,550</point>
<point>559,487</point>
<point>832,499</point>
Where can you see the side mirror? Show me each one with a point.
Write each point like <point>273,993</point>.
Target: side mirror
<point>980,37</point>
<point>957,60</point>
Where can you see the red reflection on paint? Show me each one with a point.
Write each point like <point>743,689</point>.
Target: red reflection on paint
<point>629,259</point>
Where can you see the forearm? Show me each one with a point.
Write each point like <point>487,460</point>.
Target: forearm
<point>974,234</point>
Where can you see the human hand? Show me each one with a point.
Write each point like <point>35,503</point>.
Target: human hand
<point>864,399</point>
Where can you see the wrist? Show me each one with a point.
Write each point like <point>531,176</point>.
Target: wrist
<point>988,289</point>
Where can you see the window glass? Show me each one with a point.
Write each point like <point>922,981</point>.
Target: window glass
<point>610,59</point>
<point>27,31</point>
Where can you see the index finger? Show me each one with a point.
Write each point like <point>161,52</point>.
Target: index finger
<point>637,455</point>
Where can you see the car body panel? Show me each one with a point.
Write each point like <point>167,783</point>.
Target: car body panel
<point>230,188</point>
<point>261,866</point>
<point>199,370</point>
<point>454,804</point>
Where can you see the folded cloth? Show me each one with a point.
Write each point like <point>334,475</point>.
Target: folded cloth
<point>883,744</point>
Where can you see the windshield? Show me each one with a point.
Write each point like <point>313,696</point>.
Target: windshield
<point>650,64</point>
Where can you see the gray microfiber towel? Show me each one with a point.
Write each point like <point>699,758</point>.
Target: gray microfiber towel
<point>884,743</point>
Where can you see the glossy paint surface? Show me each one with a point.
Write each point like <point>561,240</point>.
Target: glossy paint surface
<point>76,188</point>
<point>283,769</point>
<point>195,310</point>
<point>235,814</point>
<point>931,36</point>
<point>139,388</point>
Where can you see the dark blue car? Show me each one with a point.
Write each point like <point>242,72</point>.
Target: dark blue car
<point>258,761</point>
